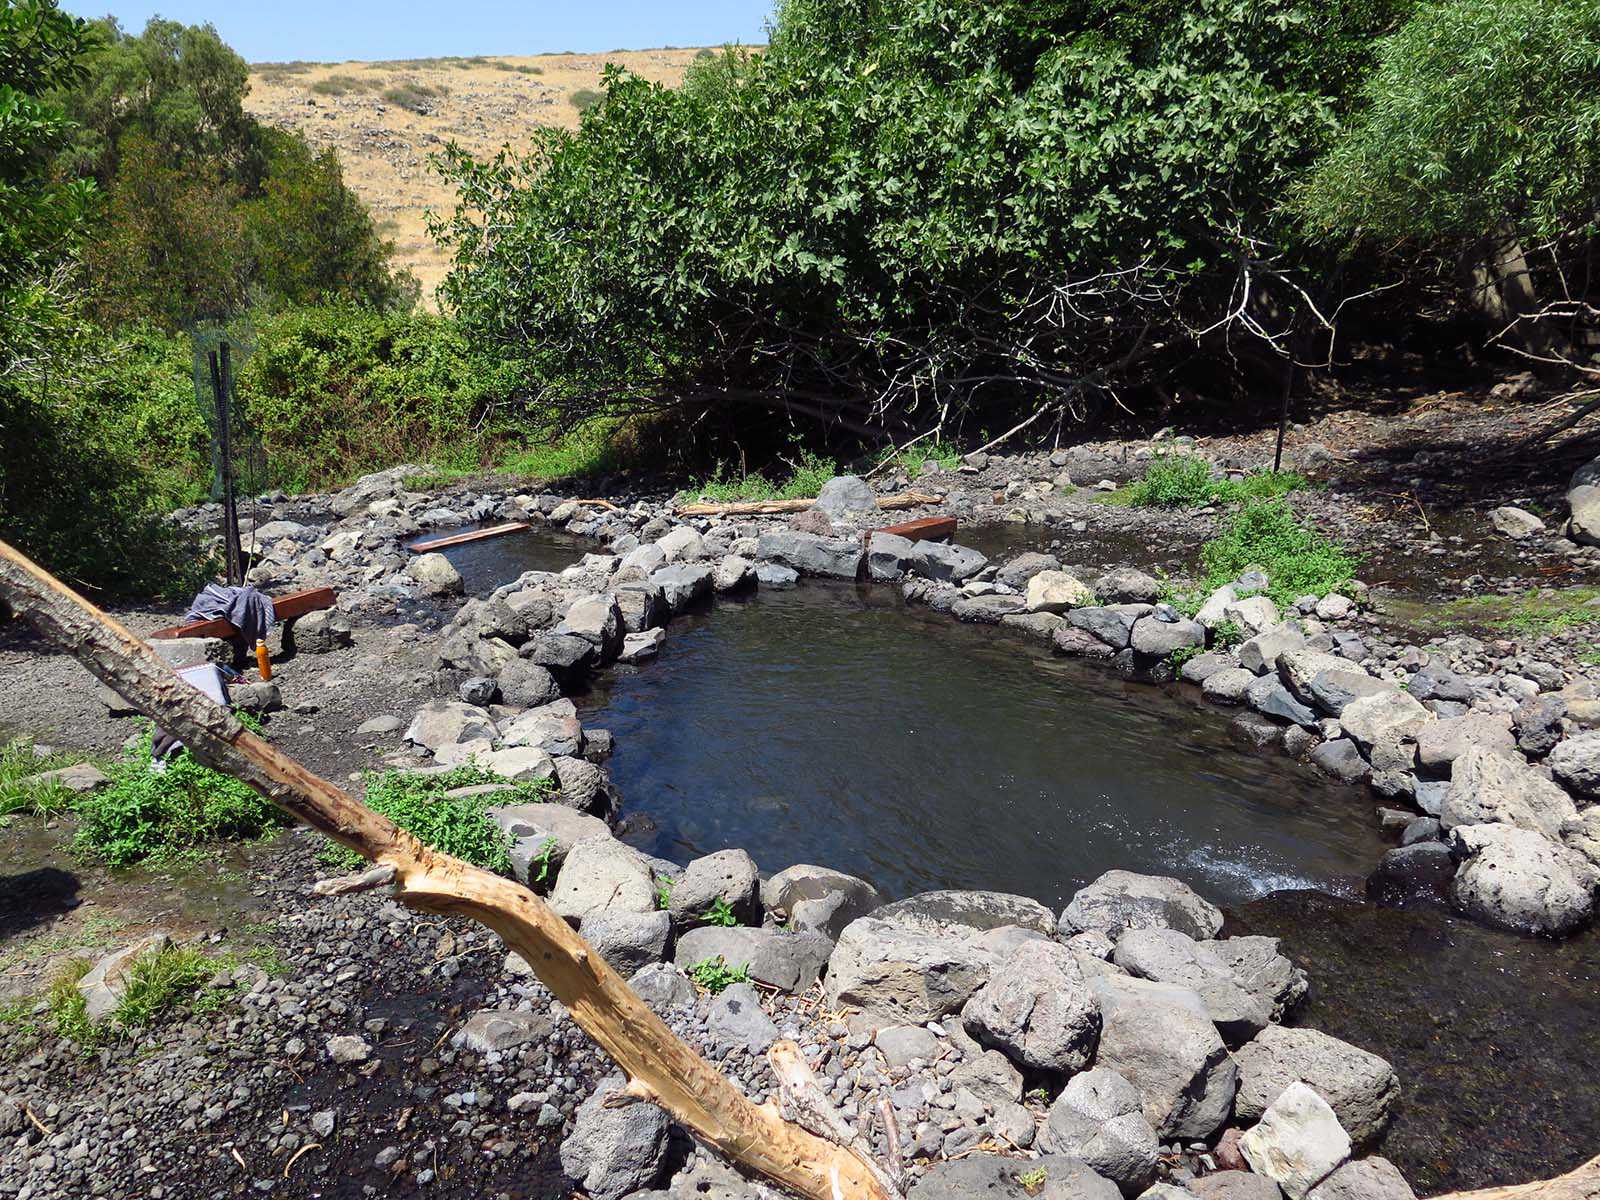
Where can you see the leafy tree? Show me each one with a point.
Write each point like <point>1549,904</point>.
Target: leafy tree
<point>313,240</point>
<point>904,206</point>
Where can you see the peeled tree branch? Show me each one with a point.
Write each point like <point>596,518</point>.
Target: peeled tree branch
<point>660,1067</point>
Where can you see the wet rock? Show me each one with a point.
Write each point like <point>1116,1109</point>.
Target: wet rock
<point>1120,900</point>
<point>1298,1141</point>
<point>776,576</point>
<point>736,1020</point>
<point>1126,585</point>
<point>896,974</point>
<point>844,496</point>
<point>1576,763</point>
<point>1422,869</point>
<point>1368,1179</point>
<point>105,984</point>
<point>944,563</point>
<point>1361,1087</point>
<point>1258,966</point>
<point>603,875</point>
<point>434,575</point>
<point>733,573</point>
<point>441,723</point>
<point>987,609</point>
<point>1153,636</point>
<point>1203,666</point>
<point>637,647</point>
<point>1161,1039</point>
<point>1261,652</point>
<point>1520,880</point>
<point>683,585</point>
<point>1267,695</point>
<point>1387,715</point>
<point>818,900</point>
<point>1079,643</point>
<point>1037,1008</point>
<point>501,1030</point>
<point>887,555</point>
<point>561,654</point>
<point>1167,956</point>
<point>779,958</point>
<point>808,554</point>
<point>642,562</point>
<point>1486,787</point>
<point>1341,758</point>
<point>1056,592</point>
<point>997,1177</point>
<point>729,876</point>
<point>629,941</point>
<point>1112,624</point>
<point>614,1151</point>
<point>1099,1119</point>
<point>1229,686</point>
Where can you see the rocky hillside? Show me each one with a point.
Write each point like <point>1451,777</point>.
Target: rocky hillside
<point>386,118</point>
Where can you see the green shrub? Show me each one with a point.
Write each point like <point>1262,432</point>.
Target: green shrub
<point>158,980</point>
<point>1298,560</point>
<point>459,825</point>
<point>1185,481</point>
<point>413,96</point>
<point>18,762</point>
<point>807,471</point>
<point>715,975</point>
<point>586,98</point>
<point>144,813</point>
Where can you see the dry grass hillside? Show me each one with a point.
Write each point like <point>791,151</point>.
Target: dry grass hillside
<point>385,118</point>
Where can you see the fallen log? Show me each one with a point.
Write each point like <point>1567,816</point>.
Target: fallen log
<point>1582,1183</point>
<point>660,1067</point>
<point>773,508</point>
<point>461,539</point>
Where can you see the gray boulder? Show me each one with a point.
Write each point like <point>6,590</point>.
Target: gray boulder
<point>553,728</point>
<point>887,555</point>
<point>1160,1038</point>
<point>1016,572</point>
<point>1167,956</point>
<point>844,496</point>
<point>1110,623</point>
<point>1583,498</point>
<point>1333,691</point>
<point>1037,1008</point>
<point>602,875</point>
<point>1056,592</point>
<point>943,562</point>
<point>733,573</point>
<point>729,876</point>
<point>1521,880</point>
<point>999,1177</point>
<point>1267,695</point>
<point>896,974</point>
<point>808,554</point>
<point>736,1020</point>
<point>1582,834</point>
<point>683,585</point>
<point>1441,742</point>
<point>629,941</point>
<point>1232,1185</point>
<point>440,723</point>
<point>1261,652</point>
<point>1491,788</point>
<point>681,544</point>
<point>1576,763</point>
<point>527,685</point>
<point>497,1030</point>
<point>105,984</point>
<point>1127,585</point>
<point>1341,758</point>
<point>1366,1179</point>
<point>1514,523</point>
<point>614,1151</point>
<point>530,826</point>
<point>1121,900</point>
<point>434,575</point>
<point>1261,969</point>
<point>320,632</point>
<point>1159,638</point>
<point>1231,685</point>
<point>974,910</point>
<point>817,900</point>
<point>596,620</point>
<point>1099,1119</point>
<point>986,610</point>
<point>1362,1088</point>
<point>1298,1142</point>
<point>663,987</point>
<point>779,958</point>
<point>1382,716</point>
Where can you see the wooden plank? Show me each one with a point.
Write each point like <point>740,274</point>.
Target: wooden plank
<point>459,539</point>
<point>287,608</point>
<point>927,529</point>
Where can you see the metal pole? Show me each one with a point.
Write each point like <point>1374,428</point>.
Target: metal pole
<point>230,514</point>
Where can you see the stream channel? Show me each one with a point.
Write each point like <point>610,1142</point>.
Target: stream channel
<point>836,725</point>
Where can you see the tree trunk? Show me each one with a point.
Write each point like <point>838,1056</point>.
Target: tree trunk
<point>661,1068</point>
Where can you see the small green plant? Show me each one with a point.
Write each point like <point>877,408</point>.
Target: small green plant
<point>145,812</point>
<point>67,1009</point>
<point>1182,655</point>
<point>458,825</point>
<point>664,892</point>
<point>716,976</point>
<point>1227,635</point>
<point>808,471</point>
<point>914,460</point>
<point>1185,481</point>
<point>1298,560</point>
<point>720,913</point>
<point>1033,1180</point>
<point>539,864</point>
<point>158,980</point>
<point>18,763</point>
<point>1534,613</point>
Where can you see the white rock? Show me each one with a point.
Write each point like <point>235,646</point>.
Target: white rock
<point>1298,1142</point>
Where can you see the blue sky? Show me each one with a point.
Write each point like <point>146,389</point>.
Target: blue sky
<point>334,30</point>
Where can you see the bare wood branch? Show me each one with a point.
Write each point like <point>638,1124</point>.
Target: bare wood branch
<point>1582,1183</point>
<point>768,508</point>
<point>659,1065</point>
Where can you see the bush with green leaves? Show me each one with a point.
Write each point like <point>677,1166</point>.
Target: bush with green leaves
<point>1186,481</point>
<point>158,980</point>
<point>1298,560</point>
<point>715,975</point>
<point>905,204</point>
<point>19,763</point>
<point>156,810</point>
<point>457,825</point>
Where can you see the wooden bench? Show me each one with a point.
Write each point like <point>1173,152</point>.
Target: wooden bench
<point>286,608</point>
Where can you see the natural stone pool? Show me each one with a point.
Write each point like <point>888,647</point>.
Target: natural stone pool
<point>834,725</point>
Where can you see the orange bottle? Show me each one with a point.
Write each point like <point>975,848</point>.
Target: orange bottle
<point>262,661</point>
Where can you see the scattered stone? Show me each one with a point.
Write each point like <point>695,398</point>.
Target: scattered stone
<point>1037,1008</point>
<point>440,723</point>
<point>435,575</point>
<point>663,986</point>
<point>1487,787</point>
<point>79,778</point>
<point>1521,880</point>
<point>1362,1088</point>
<point>1298,1141</point>
<point>1516,523</point>
<point>322,632</point>
<point>499,1030</point>
<point>1098,1118</point>
<point>1120,900</point>
<point>1126,585</point>
<point>346,1049</point>
<point>736,1020</point>
<point>614,1151</point>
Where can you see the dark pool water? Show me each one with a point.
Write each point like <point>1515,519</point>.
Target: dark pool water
<point>834,725</point>
<point>486,565</point>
